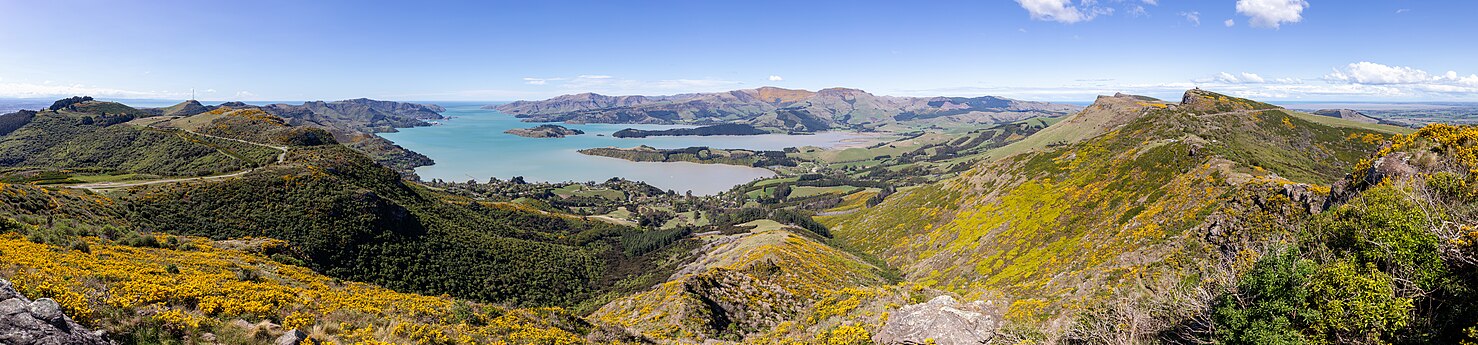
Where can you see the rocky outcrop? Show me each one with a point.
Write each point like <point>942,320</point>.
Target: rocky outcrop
<point>1208,102</point>
<point>1393,166</point>
<point>1304,195</point>
<point>943,321</point>
<point>23,321</point>
<point>738,298</point>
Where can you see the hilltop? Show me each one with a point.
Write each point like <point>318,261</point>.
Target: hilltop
<point>353,122</point>
<point>784,110</point>
<point>87,135</point>
<point>1347,114</point>
<point>1127,219</point>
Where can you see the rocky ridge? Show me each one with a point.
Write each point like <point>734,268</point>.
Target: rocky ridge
<point>353,122</point>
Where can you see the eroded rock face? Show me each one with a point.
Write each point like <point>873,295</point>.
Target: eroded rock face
<point>25,322</point>
<point>1393,166</point>
<point>942,320</point>
<point>734,297</point>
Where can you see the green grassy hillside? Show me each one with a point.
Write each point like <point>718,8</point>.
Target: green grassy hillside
<point>1113,203</point>
<point>342,213</point>
<point>94,134</point>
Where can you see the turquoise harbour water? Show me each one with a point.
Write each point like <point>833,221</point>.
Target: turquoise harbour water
<point>472,146</point>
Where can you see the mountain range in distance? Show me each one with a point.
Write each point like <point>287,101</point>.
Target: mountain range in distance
<point>784,110</point>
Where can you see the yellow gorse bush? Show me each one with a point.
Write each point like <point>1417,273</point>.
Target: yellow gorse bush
<point>1459,142</point>
<point>206,285</point>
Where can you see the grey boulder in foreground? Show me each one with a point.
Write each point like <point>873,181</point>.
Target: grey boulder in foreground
<point>25,322</point>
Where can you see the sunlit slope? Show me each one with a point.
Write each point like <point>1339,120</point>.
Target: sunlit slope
<point>1112,195</point>
<point>753,285</point>
<point>191,286</point>
<point>99,135</point>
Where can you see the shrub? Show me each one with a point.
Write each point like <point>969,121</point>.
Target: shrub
<point>1269,303</point>
<point>1355,302</point>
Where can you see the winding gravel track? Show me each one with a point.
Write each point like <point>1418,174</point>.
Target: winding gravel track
<point>101,186</point>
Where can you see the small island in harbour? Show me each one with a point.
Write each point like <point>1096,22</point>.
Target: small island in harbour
<point>544,131</point>
<point>721,129</point>
<point>697,154</point>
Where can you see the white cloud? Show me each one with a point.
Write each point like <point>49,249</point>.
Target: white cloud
<point>1404,10</point>
<point>1138,11</point>
<point>1193,16</point>
<point>776,78</point>
<point>1152,2</point>
<point>209,91</point>
<point>50,90</point>
<point>1228,78</point>
<point>1272,13</point>
<point>1062,11</point>
<point>540,81</point>
<point>1230,23</point>
<point>1370,73</point>
<point>1356,81</point>
<point>245,95</point>
<point>597,76</point>
<point>1377,74</point>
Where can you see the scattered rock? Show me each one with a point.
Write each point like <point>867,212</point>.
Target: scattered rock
<point>943,320</point>
<point>292,337</point>
<point>25,322</point>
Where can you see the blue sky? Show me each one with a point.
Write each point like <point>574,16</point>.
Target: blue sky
<point>1060,50</point>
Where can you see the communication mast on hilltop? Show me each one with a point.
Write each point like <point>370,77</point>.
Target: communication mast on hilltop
<point>192,93</point>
